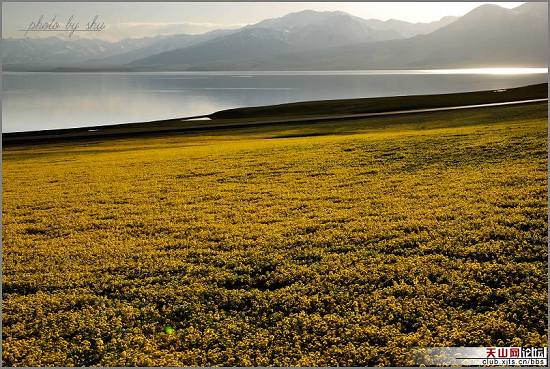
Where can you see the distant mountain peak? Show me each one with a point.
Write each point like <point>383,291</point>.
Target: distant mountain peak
<point>448,18</point>
<point>534,7</point>
<point>486,10</point>
<point>300,19</point>
<point>488,35</point>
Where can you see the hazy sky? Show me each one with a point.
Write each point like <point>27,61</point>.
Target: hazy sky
<point>136,19</point>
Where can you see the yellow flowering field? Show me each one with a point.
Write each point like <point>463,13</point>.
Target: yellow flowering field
<point>343,243</point>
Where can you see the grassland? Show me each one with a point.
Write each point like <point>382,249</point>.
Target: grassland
<point>341,243</point>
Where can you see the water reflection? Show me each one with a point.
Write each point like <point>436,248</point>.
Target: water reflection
<point>35,101</point>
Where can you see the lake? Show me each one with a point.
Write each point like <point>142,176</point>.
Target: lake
<point>37,101</point>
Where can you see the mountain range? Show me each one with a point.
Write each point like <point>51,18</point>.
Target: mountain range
<point>487,36</point>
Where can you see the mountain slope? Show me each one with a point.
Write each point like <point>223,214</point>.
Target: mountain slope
<point>406,29</point>
<point>306,30</point>
<point>248,43</point>
<point>61,52</point>
<point>487,36</point>
<point>163,44</point>
<point>55,51</point>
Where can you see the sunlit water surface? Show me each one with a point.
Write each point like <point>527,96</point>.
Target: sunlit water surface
<point>36,101</point>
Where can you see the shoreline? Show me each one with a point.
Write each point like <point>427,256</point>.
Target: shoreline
<point>8,68</point>
<point>298,112</point>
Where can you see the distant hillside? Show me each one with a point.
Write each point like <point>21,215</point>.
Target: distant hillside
<point>306,30</point>
<point>310,40</point>
<point>163,44</point>
<point>406,29</point>
<point>487,36</point>
<point>56,52</point>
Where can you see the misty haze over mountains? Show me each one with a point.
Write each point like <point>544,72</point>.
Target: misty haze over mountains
<point>309,40</point>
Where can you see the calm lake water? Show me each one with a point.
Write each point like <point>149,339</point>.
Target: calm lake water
<point>36,101</point>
